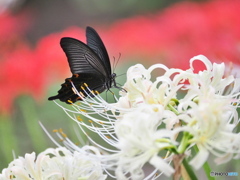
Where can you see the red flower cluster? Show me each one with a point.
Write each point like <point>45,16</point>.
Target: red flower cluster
<point>172,36</point>
<point>181,32</point>
<point>10,42</point>
<point>24,70</point>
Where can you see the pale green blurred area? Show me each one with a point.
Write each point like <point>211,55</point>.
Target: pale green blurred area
<point>20,131</point>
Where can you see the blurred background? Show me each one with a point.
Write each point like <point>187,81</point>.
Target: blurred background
<point>33,66</point>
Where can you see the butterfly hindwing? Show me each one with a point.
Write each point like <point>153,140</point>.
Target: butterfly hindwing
<point>82,83</point>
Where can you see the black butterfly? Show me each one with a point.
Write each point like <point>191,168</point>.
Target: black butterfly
<point>90,66</point>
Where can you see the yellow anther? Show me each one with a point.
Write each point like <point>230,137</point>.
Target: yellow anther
<point>96,92</point>
<point>60,130</point>
<point>81,94</point>
<point>155,109</point>
<point>74,90</point>
<point>69,101</point>
<point>64,135</point>
<point>83,110</point>
<point>79,119</point>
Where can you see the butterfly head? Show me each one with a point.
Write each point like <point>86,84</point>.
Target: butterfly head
<point>111,82</point>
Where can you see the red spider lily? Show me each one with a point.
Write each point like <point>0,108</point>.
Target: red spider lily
<point>13,47</point>
<point>12,28</point>
<point>181,32</point>
<point>10,25</point>
<point>174,36</point>
<point>18,76</point>
<point>27,71</point>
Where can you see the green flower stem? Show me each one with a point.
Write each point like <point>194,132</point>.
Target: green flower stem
<point>189,170</point>
<point>8,139</point>
<point>206,166</point>
<point>184,143</point>
<point>173,109</point>
<point>30,116</point>
<point>181,149</point>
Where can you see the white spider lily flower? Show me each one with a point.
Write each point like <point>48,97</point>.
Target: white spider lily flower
<point>212,123</point>
<point>210,104</point>
<point>212,77</point>
<point>54,164</point>
<point>142,126</point>
<point>141,89</point>
<point>140,140</point>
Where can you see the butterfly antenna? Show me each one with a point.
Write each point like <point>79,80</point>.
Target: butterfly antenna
<point>121,74</point>
<point>119,84</point>
<point>115,64</point>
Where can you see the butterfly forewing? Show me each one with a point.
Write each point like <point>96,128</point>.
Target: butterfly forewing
<point>95,43</point>
<point>81,58</point>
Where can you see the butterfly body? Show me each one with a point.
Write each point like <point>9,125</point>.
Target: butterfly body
<point>90,66</point>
